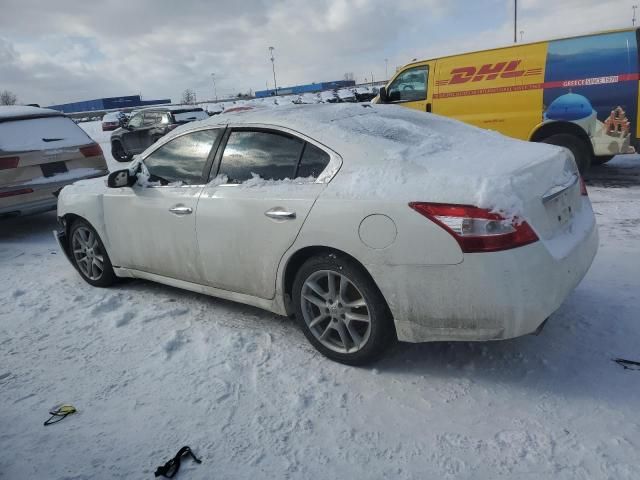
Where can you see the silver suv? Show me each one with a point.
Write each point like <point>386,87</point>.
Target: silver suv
<point>41,151</point>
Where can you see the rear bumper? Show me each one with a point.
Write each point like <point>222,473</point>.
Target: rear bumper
<point>41,198</point>
<point>489,296</point>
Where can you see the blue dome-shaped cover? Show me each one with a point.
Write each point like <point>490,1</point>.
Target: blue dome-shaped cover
<point>569,107</point>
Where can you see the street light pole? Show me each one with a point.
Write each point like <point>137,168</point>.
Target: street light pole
<point>521,35</point>
<point>515,21</point>
<point>273,66</point>
<point>386,69</point>
<point>215,92</point>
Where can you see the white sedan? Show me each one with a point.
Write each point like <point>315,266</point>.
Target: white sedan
<point>368,223</point>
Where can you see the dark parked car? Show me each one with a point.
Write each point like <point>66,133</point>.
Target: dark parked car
<point>146,126</point>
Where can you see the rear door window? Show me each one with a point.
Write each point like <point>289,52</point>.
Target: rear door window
<point>183,159</point>
<point>269,155</point>
<point>41,134</point>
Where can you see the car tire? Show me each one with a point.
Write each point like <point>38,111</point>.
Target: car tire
<point>601,159</point>
<point>333,318</point>
<point>118,153</point>
<point>578,147</point>
<point>86,246</point>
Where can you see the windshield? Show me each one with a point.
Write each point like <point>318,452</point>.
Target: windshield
<point>190,116</point>
<point>41,134</point>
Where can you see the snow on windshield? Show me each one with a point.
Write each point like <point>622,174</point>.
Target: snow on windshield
<point>190,116</point>
<point>41,134</point>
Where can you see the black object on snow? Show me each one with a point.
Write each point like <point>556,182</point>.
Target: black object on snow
<point>170,468</point>
<point>627,364</point>
<point>59,413</point>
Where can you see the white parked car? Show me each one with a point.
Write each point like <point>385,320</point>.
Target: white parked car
<point>365,222</point>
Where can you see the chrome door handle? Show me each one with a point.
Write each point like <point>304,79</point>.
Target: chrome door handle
<point>280,214</point>
<point>181,210</point>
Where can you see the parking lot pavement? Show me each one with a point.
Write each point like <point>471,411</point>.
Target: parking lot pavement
<point>619,172</point>
<point>151,368</point>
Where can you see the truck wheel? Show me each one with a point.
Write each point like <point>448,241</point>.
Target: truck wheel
<point>601,159</point>
<point>118,153</point>
<point>578,148</point>
<point>341,311</point>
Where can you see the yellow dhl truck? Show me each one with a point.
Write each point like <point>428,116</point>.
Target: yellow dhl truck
<point>580,93</point>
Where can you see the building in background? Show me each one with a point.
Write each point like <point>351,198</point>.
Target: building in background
<point>309,88</point>
<point>111,103</point>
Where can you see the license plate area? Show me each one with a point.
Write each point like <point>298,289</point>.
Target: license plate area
<point>51,169</point>
<point>560,209</point>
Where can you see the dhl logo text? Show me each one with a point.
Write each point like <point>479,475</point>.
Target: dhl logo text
<point>489,71</point>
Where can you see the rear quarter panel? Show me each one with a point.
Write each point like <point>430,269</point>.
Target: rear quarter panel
<point>337,223</point>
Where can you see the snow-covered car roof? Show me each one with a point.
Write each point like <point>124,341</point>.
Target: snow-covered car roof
<point>17,112</point>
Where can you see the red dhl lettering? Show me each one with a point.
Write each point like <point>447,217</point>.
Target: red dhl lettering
<point>489,71</point>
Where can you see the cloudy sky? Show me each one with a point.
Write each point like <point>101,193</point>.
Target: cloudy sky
<point>64,50</point>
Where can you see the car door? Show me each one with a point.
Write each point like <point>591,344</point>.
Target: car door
<point>252,212</point>
<point>410,88</point>
<point>151,226</point>
<point>131,135</point>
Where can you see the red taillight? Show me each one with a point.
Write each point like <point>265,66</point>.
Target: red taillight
<point>477,229</point>
<point>583,187</point>
<point>9,162</point>
<point>91,150</point>
<point>22,191</point>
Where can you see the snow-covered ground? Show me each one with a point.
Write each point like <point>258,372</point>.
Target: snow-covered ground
<point>152,368</point>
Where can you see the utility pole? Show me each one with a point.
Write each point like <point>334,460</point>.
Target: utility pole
<point>633,20</point>
<point>515,21</point>
<point>215,92</point>
<point>273,66</point>
<point>521,35</point>
<point>386,69</point>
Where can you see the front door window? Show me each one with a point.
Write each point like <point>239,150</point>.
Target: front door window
<point>409,86</point>
<point>183,159</point>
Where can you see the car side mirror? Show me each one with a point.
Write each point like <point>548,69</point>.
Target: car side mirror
<point>121,178</point>
<point>382,93</point>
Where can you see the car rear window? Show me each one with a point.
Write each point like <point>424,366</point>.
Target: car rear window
<point>41,134</point>
<point>190,116</point>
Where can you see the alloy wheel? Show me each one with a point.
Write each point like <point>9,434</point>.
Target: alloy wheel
<point>335,311</point>
<point>87,253</point>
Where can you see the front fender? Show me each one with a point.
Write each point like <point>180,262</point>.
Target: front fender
<point>81,200</point>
